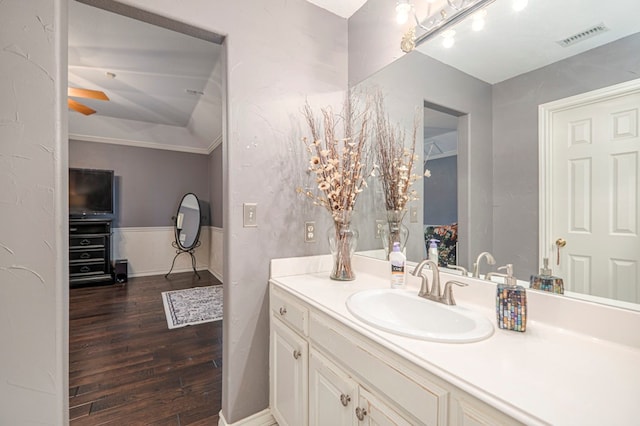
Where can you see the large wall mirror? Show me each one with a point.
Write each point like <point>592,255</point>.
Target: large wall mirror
<point>495,81</point>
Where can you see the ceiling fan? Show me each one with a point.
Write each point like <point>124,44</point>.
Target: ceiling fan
<point>84,93</point>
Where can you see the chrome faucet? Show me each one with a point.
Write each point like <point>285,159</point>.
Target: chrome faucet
<point>434,292</point>
<point>476,266</point>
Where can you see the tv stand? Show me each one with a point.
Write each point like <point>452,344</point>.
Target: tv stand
<point>89,251</point>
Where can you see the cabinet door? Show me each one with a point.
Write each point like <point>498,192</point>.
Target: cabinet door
<point>288,373</point>
<point>467,411</point>
<point>333,395</point>
<point>373,411</point>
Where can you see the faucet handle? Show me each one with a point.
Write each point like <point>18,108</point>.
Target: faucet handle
<point>447,296</point>
<point>459,268</point>
<point>509,279</point>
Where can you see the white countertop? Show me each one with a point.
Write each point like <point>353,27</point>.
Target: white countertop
<point>546,375</point>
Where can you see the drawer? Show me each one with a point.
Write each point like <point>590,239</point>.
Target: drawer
<point>289,311</point>
<point>80,255</point>
<point>87,268</point>
<point>88,228</point>
<point>421,399</point>
<point>88,241</point>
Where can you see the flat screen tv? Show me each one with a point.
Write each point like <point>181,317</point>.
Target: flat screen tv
<point>90,192</point>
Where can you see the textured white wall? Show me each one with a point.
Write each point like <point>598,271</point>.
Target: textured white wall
<point>33,212</point>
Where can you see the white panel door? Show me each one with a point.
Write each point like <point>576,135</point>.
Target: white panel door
<point>594,179</point>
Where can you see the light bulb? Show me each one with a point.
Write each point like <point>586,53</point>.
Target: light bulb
<point>403,7</point>
<point>519,5</point>
<point>449,39</point>
<point>478,20</point>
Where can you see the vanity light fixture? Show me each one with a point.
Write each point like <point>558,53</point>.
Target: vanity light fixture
<point>519,5</point>
<point>449,38</point>
<point>403,8</point>
<point>451,13</point>
<point>479,20</point>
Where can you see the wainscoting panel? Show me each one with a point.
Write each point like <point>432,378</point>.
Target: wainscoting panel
<point>215,253</point>
<point>149,250</point>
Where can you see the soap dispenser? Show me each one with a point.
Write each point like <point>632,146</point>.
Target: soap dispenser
<point>432,253</point>
<point>511,302</point>
<point>546,281</point>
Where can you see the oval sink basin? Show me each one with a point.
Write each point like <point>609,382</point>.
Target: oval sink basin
<point>404,313</point>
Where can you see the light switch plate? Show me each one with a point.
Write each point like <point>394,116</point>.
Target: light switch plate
<point>378,230</point>
<point>250,212</point>
<point>413,214</point>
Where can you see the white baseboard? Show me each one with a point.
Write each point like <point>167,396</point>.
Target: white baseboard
<point>216,274</point>
<point>263,418</point>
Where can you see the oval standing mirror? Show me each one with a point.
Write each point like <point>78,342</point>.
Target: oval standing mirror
<point>187,229</point>
<point>188,222</point>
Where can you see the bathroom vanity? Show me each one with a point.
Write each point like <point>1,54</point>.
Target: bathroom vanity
<point>577,363</point>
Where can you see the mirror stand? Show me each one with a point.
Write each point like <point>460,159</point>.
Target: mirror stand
<point>186,225</point>
<point>179,251</point>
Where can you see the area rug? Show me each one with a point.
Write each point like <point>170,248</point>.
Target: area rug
<point>192,306</point>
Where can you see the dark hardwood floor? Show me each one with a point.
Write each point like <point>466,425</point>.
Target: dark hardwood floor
<point>127,368</point>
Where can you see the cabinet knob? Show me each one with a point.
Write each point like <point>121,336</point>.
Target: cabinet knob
<point>283,310</point>
<point>296,354</point>
<point>85,269</point>
<point>85,242</point>
<point>85,256</point>
<point>345,399</point>
<point>360,413</point>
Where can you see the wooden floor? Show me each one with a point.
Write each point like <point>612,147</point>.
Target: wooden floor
<point>127,368</point>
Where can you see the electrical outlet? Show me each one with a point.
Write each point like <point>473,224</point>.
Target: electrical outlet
<point>379,225</point>
<point>250,213</point>
<point>413,214</point>
<point>309,232</point>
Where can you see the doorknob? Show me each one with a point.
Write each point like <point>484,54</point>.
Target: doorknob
<point>560,242</point>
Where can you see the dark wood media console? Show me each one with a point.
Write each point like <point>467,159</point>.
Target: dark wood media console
<point>89,251</point>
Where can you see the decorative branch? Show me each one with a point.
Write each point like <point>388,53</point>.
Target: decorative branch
<point>340,164</point>
<point>394,160</point>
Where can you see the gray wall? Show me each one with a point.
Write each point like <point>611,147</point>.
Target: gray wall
<point>149,182</point>
<point>515,140</point>
<point>374,39</point>
<point>441,191</point>
<point>216,186</point>
<point>34,280</point>
<point>277,55</point>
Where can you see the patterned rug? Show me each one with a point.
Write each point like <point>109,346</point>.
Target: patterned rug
<point>192,306</point>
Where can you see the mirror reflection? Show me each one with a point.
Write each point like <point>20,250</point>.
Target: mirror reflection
<point>187,223</point>
<point>494,85</point>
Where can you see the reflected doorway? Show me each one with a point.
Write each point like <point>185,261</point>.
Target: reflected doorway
<point>440,192</point>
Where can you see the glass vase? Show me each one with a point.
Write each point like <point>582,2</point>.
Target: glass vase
<point>343,239</point>
<point>394,232</point>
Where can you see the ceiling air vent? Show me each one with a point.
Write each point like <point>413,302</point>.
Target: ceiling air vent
<point>588,33</point>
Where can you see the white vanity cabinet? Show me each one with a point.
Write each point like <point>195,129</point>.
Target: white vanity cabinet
<point>325,373</point>
<point>288,362</point>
